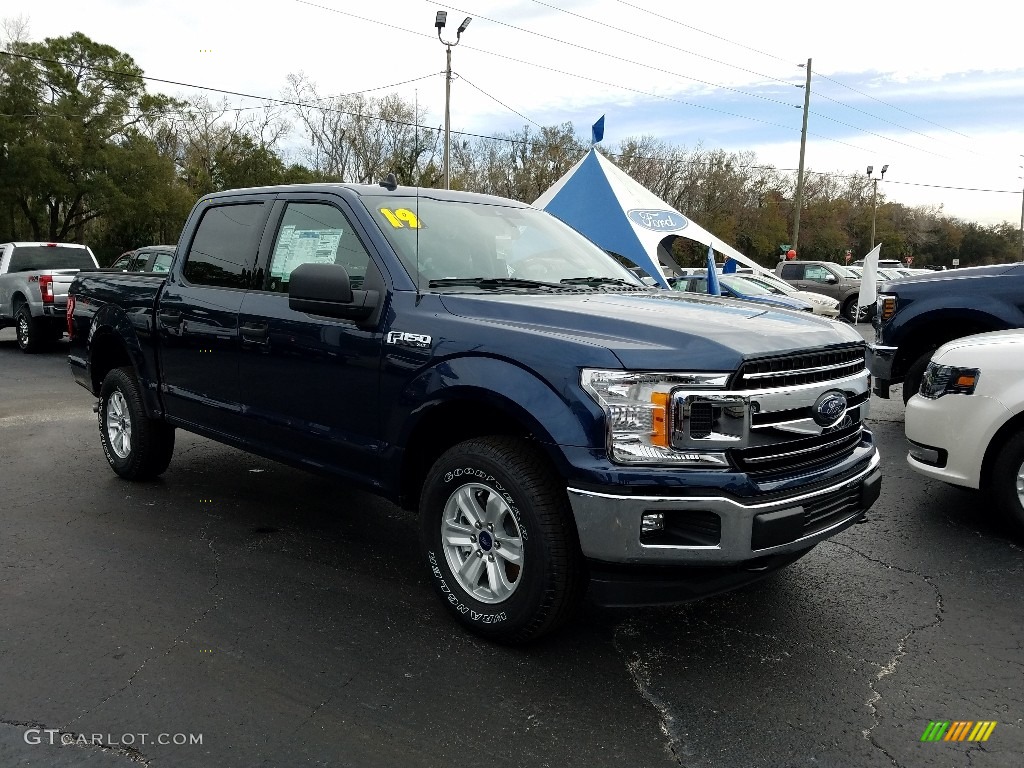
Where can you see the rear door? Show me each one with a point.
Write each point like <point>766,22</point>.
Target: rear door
<point>310,384</point>
<point>794,275</point>
<point>197,313</point>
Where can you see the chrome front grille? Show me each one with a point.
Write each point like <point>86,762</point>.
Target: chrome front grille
<point>803,453</point>
<point>801,368</point>
<point>766,425</point>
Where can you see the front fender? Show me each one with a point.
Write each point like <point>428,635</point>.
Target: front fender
<point>558,413</point>
<point>923,319</point>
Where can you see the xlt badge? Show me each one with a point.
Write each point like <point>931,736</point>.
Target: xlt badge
<point>403,339</point>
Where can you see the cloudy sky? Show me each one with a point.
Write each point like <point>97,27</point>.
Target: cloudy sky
<point>934,91</point>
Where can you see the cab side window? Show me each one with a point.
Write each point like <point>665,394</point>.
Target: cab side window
<point>315,233</point>
<point>817,273</point>
<point>225,242</point>
<point>792,271</point>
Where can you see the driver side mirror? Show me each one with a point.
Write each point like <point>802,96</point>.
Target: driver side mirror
<point>831,280</point>
<point>325,289</point>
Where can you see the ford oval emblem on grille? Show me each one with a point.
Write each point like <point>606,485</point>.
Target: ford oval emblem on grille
<point>829,409</point>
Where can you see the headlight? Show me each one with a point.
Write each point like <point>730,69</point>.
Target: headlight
<point>637,408</point>
<point>942,380</point>
<point>885,306</point>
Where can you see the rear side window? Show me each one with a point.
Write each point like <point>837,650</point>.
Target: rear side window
<point>29,258</point>
<point>162,263</point>
<point>224,248</point>
<point>792,271</point>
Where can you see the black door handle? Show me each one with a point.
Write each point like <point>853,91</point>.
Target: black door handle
<point>255,332</point>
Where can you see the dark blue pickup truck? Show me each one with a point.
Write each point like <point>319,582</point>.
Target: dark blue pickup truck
<point>558,425</point>
<point>917,315</point>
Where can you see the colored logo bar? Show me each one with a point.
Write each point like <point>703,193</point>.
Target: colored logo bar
<point>958,730</point>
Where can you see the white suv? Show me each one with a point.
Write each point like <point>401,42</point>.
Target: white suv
<point>966,425</point>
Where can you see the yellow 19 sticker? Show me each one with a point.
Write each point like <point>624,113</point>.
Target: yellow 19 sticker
<point>402,218</point>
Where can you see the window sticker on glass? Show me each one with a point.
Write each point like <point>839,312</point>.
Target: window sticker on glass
<point>303,246</point>
<point>401,218</point>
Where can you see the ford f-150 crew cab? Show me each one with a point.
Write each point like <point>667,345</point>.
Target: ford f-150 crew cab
<point>34,280</point>
<point>916,315</point>
<point>558,425</point>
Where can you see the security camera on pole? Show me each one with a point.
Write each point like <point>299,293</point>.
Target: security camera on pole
<point>439,22</point>
<point>874,197</point>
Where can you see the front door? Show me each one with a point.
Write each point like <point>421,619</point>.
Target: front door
<point>310,384</point>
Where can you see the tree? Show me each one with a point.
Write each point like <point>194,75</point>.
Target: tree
<point>73,104</point>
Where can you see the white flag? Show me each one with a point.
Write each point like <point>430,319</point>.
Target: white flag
<point>868,279</point>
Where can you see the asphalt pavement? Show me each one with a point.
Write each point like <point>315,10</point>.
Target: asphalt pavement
<point>267,617</point>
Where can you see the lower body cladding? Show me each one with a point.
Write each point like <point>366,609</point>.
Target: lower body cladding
<point>655,550</point>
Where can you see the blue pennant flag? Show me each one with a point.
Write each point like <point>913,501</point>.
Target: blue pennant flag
<point>713,287</point>
<point>597,131</point>
<point>730,266</point>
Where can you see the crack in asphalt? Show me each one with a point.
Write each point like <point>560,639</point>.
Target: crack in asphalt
<point>901,646</point>
<point>640,673</point>
<point>181,635</point>
<point>81,740</point>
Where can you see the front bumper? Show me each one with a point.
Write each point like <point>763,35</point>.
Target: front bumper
<point>880,363</point>
<point>730,532</point>
<point>951,434</point>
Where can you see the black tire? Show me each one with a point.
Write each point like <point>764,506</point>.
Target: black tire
<point>912,379</point>
<point>511,481</point>
<point>850,311</point>
<point>1006,482</point>
<point>29,331</point>
<point>150,444</point>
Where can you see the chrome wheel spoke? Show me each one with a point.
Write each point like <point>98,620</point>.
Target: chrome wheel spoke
<point>458,535</point>
<point>470,571</point>
<point>497,579</point>
<point>469,505</point>
<point>511,550</point>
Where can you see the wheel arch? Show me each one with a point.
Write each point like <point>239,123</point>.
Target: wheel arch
<point>114,344</point>
<point>925,333</point>
<point>1012,426</point>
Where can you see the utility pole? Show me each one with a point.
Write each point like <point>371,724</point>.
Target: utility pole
<point>1022,220</point>
<point>439,22</point>
<point>874,197</point>
<point>800,172</point>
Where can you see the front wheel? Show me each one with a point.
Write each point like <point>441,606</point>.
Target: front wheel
<point>914,375</point>
<point>136,446</point>
<point>1006,486</point>
<point>854,313</point>
<point>499,539</point>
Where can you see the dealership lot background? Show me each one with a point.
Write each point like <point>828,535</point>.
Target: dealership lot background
<point>282,616</point>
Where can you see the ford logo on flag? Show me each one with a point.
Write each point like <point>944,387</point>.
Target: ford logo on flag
<point>658,221</point>
<point>829,409</point>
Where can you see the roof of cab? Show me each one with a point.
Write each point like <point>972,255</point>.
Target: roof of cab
<point>374,189</point>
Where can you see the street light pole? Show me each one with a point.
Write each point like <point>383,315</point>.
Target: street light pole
<point>439,22</point>
<point>874,198</point>
<point>800,171</point>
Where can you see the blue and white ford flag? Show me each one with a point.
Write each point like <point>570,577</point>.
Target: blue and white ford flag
<point>597,131</point>
<point>713,288</point>
<point>729,267</point>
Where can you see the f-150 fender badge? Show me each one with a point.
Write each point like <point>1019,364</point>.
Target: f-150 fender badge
<point>403,339</point>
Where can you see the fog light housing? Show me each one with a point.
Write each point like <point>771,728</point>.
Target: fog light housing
<point>652,522</point>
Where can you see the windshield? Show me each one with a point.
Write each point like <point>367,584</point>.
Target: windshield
<point>770,283</point>
<point>844,271</point>
<point>441,241</point>
<point>744,286</point>
<point>28,258</point>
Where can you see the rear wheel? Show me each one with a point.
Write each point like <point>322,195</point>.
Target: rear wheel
<point>136,446</point>
<point>1006,484</point>
<point>499,539</point>
<point>29,330</point>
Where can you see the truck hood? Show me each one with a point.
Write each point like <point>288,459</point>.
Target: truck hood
<point>658,331</point>
<point>968,273</point>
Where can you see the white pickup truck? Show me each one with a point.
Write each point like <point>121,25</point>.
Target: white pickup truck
<point>34,280</point>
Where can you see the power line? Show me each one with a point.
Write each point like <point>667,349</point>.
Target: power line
<point>623,59</point>
<point>506,106</point>
<point>505,139</point>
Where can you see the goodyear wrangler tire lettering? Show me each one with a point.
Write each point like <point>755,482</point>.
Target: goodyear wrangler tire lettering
<point>479,505</point>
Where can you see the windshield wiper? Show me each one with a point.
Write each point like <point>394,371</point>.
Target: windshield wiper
<point>491,283</point>
<point>597,281</point>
